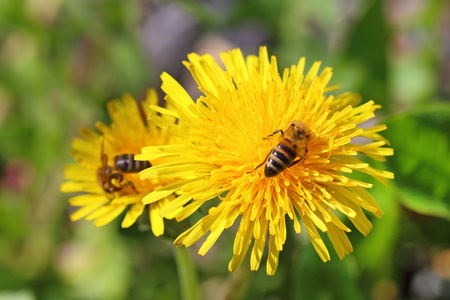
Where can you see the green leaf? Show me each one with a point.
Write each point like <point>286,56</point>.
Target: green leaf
<point>421,142</point>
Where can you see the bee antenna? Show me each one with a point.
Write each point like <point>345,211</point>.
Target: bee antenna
<point>103,156</point>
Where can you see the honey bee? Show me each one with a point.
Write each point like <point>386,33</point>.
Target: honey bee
<point>293,143</point>
<point>123,163</point>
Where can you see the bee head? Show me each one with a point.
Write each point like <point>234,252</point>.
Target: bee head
<point>300,129</point>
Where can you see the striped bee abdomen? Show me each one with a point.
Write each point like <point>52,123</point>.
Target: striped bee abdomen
<point>126,163</point>
<point>281,157</point>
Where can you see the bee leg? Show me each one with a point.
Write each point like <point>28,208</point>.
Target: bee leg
<point>295,162</point>
<point>299,160</point>
<point>109,187</point>
<point>275,132</point>
<point>115,187</point>
<point>131,185</point>
<point>264,161</point>
<point>119,178</point>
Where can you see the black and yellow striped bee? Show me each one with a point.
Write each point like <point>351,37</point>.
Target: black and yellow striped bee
<point>293,143</point>
<point>111,179</point>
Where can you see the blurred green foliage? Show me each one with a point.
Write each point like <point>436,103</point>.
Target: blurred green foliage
<point>60,61</point>
<point>423,175</point>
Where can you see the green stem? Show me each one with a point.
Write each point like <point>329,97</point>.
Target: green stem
<point>287,289</point>
<point>187,274</point>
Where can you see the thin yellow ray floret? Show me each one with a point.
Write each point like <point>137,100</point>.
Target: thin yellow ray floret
<point>133,213</point>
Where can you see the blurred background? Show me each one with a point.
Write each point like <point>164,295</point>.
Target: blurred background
<point>61,61</point>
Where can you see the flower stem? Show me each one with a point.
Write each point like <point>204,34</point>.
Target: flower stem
<point>187,274</point>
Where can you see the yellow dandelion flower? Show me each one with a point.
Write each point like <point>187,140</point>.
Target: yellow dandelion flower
<point>106,170</point>
<point>227,136</point>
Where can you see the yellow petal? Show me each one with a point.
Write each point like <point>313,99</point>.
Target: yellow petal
<point>109,215</point>
<point>156,220</point>
<point>132,215</point>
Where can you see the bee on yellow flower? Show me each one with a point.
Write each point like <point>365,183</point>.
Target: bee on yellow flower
<point>229,132</point>
<point>106,172</point>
